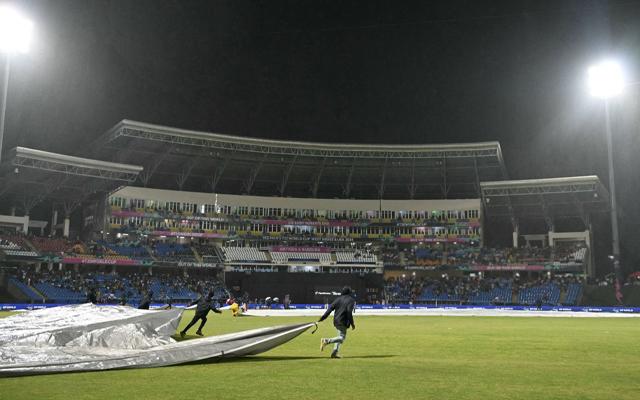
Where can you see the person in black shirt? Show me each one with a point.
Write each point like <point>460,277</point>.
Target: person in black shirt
<point>204,304</point>
<point>146,301</point>
<point>342,320</point>
<point>92,296</point>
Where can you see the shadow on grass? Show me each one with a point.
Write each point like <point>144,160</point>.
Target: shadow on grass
<point>247,359</point>
<point>297,358</point>
<point>254,359</point>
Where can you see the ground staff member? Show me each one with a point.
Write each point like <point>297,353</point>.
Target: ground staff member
<point>204,304</point>
<point>342,320</point>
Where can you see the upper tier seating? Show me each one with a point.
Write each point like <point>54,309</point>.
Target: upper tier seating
<point>172,251</point>
<point>244,254</point>
<point>52,245</point>
<point>15,245</point>
<point>131,250</point>
<point>294,256</point>
<point>355,257</point>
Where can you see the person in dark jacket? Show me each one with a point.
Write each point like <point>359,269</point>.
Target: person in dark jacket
<point>204,304</point>
<point>92,296</point>
<point>146,301</point>
<point>343,308</point>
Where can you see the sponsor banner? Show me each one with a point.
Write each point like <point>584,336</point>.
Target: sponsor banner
<point>310,238</point>
<point>129,213</point>
<point>21,306</point>
<point>298,249</point>
<point>632,310</point>
<point>196,264</point>
<point>189,234</point>
<point>198,218</point>
<point>461,307</point>
<point>27,306</point>
<point>433,240</point>
<point>520,267</point>
<point>103,261</point>
<point>289,222</point>
<point>303,223</point>
<point>507,267</point>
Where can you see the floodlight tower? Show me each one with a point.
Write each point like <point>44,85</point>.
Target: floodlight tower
<point>606,80</point>
<point>15,37</point>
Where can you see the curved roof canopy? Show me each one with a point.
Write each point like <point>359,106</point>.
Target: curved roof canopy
<point>550,199</point>
<point>30,176</point>
<point>201,161</point>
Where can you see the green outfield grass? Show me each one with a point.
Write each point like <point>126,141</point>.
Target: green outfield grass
<point>388,358</point>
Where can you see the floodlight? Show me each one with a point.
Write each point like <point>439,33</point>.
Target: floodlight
<point>15,31</point>
<point>606,79</point>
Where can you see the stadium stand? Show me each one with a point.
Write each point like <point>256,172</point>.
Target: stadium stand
<point>16,245</point>
<point>472,290</point>
<point>127,249</point>
<point>25,289</point>
<point>282,257</point>
<point>171,251</point>
<point>209,252</point>
<point>355,257</point>
<point>59,294</point>
<point>547,293</point>
<point>67,286</point>
<point>574,291</point>
<point>244,254</point>
<point>52,245</point>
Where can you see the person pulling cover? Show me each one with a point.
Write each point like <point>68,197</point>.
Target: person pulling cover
<point>342,319</point>
<point>204,304</point>
<point>146,301</point>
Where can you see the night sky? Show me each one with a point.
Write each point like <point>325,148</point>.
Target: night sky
<point>340,71</point>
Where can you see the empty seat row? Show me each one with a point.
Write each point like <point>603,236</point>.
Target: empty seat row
<point>248,254</point>
<point>355,257</point>
<point>291,256</point>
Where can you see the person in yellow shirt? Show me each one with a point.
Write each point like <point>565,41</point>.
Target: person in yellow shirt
<point>235,308</point>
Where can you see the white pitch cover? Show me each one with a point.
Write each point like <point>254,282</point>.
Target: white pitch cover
<point>93,338</point>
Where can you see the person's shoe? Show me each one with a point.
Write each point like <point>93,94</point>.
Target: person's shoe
<point>323,342</point>
<point>334,354</point>
<point>183,334</point>
<point>199,333</point>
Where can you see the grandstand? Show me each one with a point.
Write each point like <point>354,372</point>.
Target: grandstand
<point>244,254</point>
<point>277,207</point>
<point>14,245</point>
<point>69,285</point>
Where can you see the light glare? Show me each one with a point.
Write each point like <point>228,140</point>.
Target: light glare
<point>15,31</point>
<point>606,79</point>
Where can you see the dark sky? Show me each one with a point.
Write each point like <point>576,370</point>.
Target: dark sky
<point>338,71</point>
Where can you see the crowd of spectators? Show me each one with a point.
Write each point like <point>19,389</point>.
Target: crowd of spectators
<point>122,287</point>
<point>464,289</point>
<point>453,254</point>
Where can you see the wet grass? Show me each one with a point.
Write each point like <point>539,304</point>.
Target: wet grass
<point>388,358</point>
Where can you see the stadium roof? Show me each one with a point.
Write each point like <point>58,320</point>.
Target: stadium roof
<point>200,161</point>
<point>29,176</point>
<point>548,199</point>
